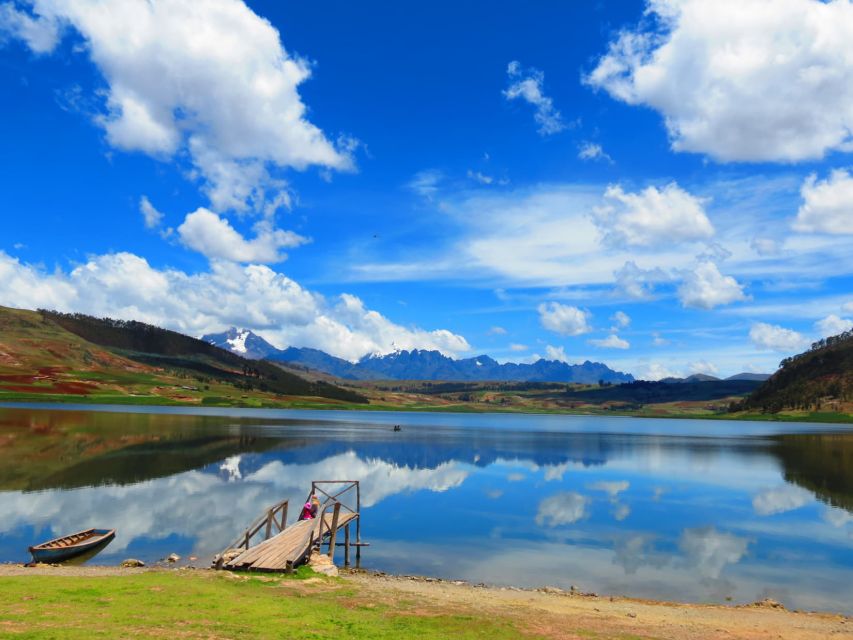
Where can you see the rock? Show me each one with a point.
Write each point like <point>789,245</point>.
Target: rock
<point>555,590</point>
<point>132,563</point>
<point>173,558</point>
<point>632,614</point>
<point>321,563</point>
<point>769,603</point>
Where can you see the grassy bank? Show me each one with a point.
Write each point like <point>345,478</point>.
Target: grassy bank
<point>205,605</point>
<point>102,602</point>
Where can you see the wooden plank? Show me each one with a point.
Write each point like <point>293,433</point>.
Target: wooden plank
<point>334,530</point>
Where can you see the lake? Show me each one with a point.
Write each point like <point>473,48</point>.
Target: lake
<point>684,510</point>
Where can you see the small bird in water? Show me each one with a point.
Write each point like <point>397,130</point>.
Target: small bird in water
<point>397,427</point>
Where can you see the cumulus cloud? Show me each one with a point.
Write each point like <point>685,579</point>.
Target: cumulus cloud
<point>562,508</point>
<point>40,35</point>
<point>214,237</point>
<point>780,499</point>
<point>527,85</point>
<point>593,151</point>
<point>657,371</point>
<point>705,288</point>
<point>832,325</point>
<point>621,319</point>
<point>564,319</point>
<point>638,283</point>
<point>556,353</point>
<point>740,80</point>
<point>150,215</point>
<point>126,286</point>
<point>703,366</point>
<point>776,338</point>
<point>210,80</point>
<point>651,217</point>
<point>827,204</point>
<point>611,342</point>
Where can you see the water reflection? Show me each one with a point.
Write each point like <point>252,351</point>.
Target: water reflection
<point>667,511</point>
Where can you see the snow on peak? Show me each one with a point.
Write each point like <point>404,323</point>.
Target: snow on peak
<point>237,344</point>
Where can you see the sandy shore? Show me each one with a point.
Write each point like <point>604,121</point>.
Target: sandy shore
<point>547,612</point>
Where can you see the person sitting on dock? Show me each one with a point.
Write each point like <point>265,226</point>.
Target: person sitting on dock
<point>309,510</point>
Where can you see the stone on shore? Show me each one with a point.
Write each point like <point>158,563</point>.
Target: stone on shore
<point>132,563</point>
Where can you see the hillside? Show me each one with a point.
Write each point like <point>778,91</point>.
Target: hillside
<point>821,379</point>
<point>417,364</point>
<point>48,355</point>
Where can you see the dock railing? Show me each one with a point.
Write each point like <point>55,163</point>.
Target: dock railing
<point>339,494</point>
<point>273,521</point>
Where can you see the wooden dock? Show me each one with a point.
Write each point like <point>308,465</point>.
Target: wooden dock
<point>293,544</point>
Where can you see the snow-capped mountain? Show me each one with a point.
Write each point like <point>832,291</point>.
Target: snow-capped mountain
<point>418,364</point>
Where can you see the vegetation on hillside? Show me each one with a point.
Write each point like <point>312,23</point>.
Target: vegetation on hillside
<point>171,350</point>
<point>818,379</point>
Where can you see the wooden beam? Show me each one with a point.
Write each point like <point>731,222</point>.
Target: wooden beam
<point>334,531</point>
<point>346,545</point>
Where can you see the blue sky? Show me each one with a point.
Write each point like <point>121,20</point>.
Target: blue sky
<point>663,187</point>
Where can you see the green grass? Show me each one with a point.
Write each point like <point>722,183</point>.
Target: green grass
<point>206,605</point>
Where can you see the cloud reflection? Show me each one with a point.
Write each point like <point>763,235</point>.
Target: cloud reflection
<point>210,509</point>
<point>562,508</point>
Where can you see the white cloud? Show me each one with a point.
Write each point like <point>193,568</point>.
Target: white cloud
<point>638,283</point>
<point>556,353</point>
<point>621,319</point>
<point>425,183</point>
<point>125,286</point>
<point>705,288</point>
<point>832,325</point>
<point>776,338</point>
<point>658,340</point>
<point>651,217</point>
<point>527,85</point>
<point>740,80</point>
<point>517,347</point>
<point>780,499</point>
<point>710,551</point>
<point>150,215</point>
<point>213,236</point>
<point>847,307</point>
<point>564,319</point>
<point>611,342</point>
<point>765,246</point>
<point>657,371</point>
<point>483,178</point>
<point>593,151</point>
<point>211,80</point>
<point>703,366</point>
<point>497,331</point>
<point>827,204</point>
<point>40,35</point>
<point>562,508</point>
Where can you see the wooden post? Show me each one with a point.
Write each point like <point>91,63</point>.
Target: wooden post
<point>334,530</point>
<point>358,524</point>
<point>283,517</point>
<point>346,545</point>
<point>269,524</point>
<point>246,543</point>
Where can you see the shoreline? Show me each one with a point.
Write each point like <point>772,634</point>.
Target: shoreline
<point>60,403</point>
<point>544,612</point>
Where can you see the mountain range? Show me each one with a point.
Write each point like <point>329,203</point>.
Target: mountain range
<point>417,364</point>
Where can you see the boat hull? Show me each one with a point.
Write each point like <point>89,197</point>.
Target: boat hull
<point>54,551</point>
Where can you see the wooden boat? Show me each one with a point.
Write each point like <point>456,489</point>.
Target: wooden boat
<point>60,549</point>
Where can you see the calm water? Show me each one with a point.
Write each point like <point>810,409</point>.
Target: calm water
<point>674,509</point>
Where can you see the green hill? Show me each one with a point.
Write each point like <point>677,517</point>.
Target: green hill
<point>821,379</point>
<point>47,355</point>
